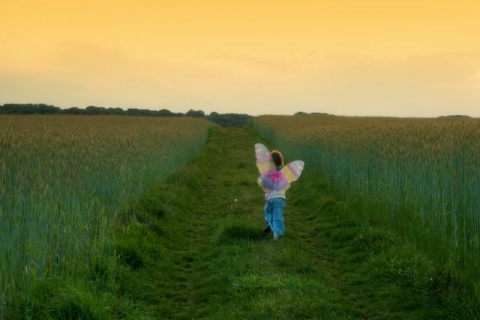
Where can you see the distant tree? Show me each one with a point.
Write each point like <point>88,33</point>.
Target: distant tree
<point>133,112</point>
<point>229,119</point>
<point>195,114</point>
<point>165,113</point>
<point>454,116</point>
<point>115,111</point>
<point>47,109</point>
<point>73,110</point>
<point>13,108</point>
<point>224,120</point>
<point>147,112</point>
<point>92,110</point>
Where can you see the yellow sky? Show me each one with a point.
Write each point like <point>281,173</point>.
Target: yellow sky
<point>350,57</point>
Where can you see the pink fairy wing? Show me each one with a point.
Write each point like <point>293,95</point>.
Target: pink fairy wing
<point>292,171</point>
<point>263,158</point>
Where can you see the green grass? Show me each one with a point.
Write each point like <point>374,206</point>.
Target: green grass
<point>193,248</point>
<point>217,264</point>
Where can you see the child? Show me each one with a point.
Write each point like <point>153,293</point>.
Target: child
<point>275,179</point>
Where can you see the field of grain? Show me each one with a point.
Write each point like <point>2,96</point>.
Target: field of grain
<point>63,179</point>
<point>420,176</point>
<point>98,231</point>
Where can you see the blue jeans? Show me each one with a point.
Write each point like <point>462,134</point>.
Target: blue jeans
<point>274,215</point>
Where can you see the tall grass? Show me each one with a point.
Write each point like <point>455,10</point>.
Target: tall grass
<point>64,178</point>
<point>420,176</point>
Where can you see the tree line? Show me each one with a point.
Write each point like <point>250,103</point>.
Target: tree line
<point>225,120</point>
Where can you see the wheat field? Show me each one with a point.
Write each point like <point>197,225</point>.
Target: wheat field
<point>421,176</point>
<point>63,180</point>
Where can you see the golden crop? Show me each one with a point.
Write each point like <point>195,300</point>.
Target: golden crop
<point>385,137</point>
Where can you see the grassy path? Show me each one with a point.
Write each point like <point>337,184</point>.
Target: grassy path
<point>205,256</point>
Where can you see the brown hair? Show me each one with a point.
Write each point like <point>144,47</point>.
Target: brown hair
<point>277,158</point>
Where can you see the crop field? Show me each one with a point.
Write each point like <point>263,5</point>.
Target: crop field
<point>118,217</point>
<point>420,176</point>
<point>63,179</point>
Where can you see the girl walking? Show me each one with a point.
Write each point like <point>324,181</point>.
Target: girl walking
<point>275,178</point>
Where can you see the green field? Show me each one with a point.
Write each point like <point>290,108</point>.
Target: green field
<point>421,177</point>
<point>189,244</point>
<point>64,182</point>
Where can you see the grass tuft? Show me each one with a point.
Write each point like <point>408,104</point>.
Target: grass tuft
<point>129,254</point>
<point>241,233</point>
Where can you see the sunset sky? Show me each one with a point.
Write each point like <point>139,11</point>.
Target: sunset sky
<point>417,58</point>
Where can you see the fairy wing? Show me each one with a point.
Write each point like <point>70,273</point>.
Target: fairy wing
<point>263,158</point>
<point>274,180</point>
<point>270,179</point>
<point>292,171</point>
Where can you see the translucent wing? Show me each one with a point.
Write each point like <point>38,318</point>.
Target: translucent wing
<point>263,158</point>
<point>292,171</point>
<point>274,180</point>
